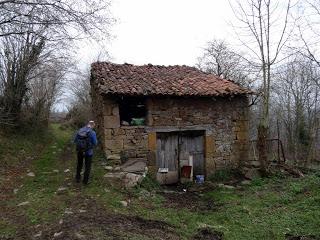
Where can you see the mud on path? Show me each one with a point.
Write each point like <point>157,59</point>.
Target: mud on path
<point>188,200</point>
<point>86,219</point>
<point>179,197</point>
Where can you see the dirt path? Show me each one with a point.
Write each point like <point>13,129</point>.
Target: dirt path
<point>87,219</point>
<point>51,206</point>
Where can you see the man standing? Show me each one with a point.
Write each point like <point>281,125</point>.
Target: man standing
<point>85,140</point>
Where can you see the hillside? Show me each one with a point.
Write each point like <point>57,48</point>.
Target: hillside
<point>40,200</point>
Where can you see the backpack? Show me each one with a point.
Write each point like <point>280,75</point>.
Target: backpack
<point>83,141</point>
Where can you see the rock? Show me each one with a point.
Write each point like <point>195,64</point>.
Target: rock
<point>255,163</point>
<point>144,194</point>
<point>23,203</point>
<point>82,211</point>
<point>56,170</point>
<point>109,168</point>
<point>106,190</point>
<point>229,187</point>
<point>57,234</point>
<point>114,157</point>
<point>79,236</point>
<point>124,203</point>
<point>60,221</point>
<point>134,166</point>
<point>31,174</point>
<point>68,211</point>
<point>131,179</point>
<point>15,191</point>
<point>252,173</point>
<point>117,168</point>
<point>67,170</point>
<point>124,123</point>
<point>114,175</point>
<point>61,189</point>
<point>38,234</point>
<point>246,182</point>
<point>225,186</point>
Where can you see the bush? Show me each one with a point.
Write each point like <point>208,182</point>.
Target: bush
<point>224,175</point>
<point>149,183</point>
<point>79,115</point>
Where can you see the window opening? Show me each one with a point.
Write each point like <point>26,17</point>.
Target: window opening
<point>132,111</point>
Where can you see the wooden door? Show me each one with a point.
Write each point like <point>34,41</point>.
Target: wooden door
<point>174,151</point>
<point>192,144</point>
<point>167,157</point>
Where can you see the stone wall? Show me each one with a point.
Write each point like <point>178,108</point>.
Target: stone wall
<point>125,141</point>
<point>224,120</point>
<point>97,106</point>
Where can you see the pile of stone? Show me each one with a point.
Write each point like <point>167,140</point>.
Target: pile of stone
<point>129,174</point>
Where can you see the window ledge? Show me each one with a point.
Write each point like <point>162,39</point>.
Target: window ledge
<point>130,127</point>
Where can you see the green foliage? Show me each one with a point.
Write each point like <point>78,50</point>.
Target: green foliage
<point>223,175</point>
<point>149,183</point>
<point>7,230</point>
<point>268,208</point>
<point>258,181</point>
<point>18,147</point>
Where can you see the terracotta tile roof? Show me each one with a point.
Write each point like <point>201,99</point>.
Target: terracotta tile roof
<point>127,79</point>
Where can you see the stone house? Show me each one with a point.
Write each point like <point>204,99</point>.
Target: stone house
<point>170,117</point>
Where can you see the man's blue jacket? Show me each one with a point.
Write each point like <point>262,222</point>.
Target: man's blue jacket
<point>93,139</point>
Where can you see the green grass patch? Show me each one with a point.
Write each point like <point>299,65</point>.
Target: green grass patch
<point>7,230</point>
<point>268,208</point>
<point>17,148</point>
<point>40,191</point>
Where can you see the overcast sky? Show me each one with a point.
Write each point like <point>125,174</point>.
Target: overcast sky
<point>165,32</point>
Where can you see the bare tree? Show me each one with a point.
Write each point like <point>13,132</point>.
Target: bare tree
<point>218,58</point>
<point>80,105</point>
<point>260,20</point>
<point>45,87</point>
<point>31,33</point>
<point>309,30</point>
<point>79,87</point>
<point>63,18</point>
<point>19,55</point>
<point>296,98</point>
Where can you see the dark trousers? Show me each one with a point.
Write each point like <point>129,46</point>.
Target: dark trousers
<point>87,167</point>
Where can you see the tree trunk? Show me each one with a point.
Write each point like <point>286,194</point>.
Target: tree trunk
<point>262,146</point>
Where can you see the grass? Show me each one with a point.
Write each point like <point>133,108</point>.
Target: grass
<point>266,209</point>
<point>15,149</point>
<point>40,191</point>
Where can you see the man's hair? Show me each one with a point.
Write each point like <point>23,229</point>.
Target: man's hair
<point>91,123</point>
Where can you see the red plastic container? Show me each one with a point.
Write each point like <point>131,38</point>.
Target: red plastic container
<point>186,171</point>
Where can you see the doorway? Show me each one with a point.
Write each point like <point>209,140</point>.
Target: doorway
<point>178,149</point>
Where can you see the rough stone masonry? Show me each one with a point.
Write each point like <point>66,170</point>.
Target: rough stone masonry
<point>225,122</point>
<point>222,117</point>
